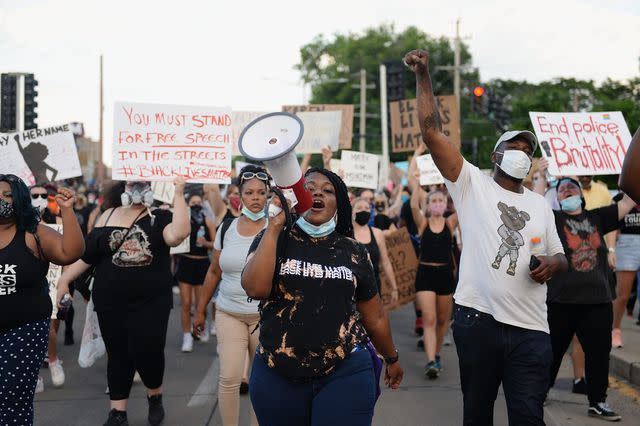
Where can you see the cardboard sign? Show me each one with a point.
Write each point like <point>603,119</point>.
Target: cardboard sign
<point>159,142</point>
<point>240,120</point>
<point>360,169</point>
<point>40,155</point>
<point>405,127</point>
<point>405,266</point>
<point>336,167</point>
<point>53,276</point>
<point>321,128</point>
<point>346,123</point>
<point>429,173</point>
<point>163,191</point>
<point>582,143</point>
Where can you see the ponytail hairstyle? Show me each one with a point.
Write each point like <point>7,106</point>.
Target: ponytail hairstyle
<point>344,226</point>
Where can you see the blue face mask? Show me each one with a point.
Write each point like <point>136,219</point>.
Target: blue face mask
<point>253,216</point>
<point>404,198</point>
<point>316,230</point>
<point>571,204</point>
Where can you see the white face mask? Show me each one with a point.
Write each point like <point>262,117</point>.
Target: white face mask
<point>515,163</point>
<point>40,204</point>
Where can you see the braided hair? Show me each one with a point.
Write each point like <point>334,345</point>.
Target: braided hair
<point>344,226</point>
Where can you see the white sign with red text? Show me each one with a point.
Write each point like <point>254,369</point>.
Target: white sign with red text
<point>156,142</point>
<point>582,143</point>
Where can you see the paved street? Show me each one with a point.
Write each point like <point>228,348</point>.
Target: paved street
<point>190,389</point>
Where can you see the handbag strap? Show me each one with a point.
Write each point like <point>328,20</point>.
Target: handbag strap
<point>124,238</point>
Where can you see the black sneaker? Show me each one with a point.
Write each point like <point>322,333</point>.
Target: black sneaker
<point>420,344</point>
<point>117,418</point>
<point>431,371</point>
<point>69,340</point>
<point>156,410</point>
<point>580,386</point>
<point>602,411</point>
<point>244,388</point>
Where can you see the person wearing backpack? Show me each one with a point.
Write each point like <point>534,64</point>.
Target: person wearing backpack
<point>236,317</point>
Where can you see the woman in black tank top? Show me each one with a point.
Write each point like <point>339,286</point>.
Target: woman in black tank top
<point>435,276</point>
<point>26,247</point>
<point>373,240</point>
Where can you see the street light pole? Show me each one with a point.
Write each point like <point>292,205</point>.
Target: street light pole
<point>363,108</point>
<point>384,166</point>
<point>456,66</point>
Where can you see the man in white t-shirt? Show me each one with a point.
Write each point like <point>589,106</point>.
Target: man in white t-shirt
<point>500,321</point>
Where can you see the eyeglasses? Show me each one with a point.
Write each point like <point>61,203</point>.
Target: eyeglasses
<point>259,175</point>
<point>43,196</point>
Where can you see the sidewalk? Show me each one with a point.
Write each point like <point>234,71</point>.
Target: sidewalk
<point>625,362</point>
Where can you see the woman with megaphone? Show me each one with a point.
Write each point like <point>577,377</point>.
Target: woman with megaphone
<point>319,313</point>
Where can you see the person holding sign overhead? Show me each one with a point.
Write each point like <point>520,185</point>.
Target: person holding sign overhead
<point>500,320</point>
<point>435,279</point>
<point>129,248</point>
<point>26,248</point>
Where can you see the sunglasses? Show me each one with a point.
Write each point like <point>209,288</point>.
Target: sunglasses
<point>43,196</point>
<point>259,175</point>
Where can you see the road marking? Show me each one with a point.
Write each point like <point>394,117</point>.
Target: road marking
<point>624,389</point>
<point>208,388</point>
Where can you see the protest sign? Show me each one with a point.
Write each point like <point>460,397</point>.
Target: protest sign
<point>53,276</point>
<point>429,173</point>
<point>405,127</point>
<point>405,265</point>
<point>159,142</point>
<point>239,165</point>
<point>240,120</point>
<point>163,191</point>
<point>336,167</point>
<point>360,169</point>
<point>582,143</point>
<point>321,128</point>
<point>40,155</point>
<point>346,122</point>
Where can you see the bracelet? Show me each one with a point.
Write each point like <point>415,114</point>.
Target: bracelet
<point>392,359</point>
<point>612,249</point>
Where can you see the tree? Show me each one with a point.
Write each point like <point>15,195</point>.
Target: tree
<point>324,61</point>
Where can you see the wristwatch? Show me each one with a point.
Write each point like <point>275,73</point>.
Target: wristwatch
<point>392,359</point>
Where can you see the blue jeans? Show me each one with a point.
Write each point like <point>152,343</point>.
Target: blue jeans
<point>491,353</point>
<point>344,397</point>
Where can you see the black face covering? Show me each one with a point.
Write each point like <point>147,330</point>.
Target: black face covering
<point>7,210</point>
<point>379,207</point>
<point>362,218</point>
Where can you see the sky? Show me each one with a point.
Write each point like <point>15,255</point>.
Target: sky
<point>242,53</point>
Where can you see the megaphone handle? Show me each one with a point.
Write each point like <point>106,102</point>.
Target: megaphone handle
<point>302,195</point>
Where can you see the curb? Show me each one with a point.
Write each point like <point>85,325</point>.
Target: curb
<point>625,366</point>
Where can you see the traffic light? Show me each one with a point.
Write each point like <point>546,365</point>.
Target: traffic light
<point>478,100</point>
<point>30,103</point>
<point>499,109</point>
<point>8,103</point>
<point>395,80</point>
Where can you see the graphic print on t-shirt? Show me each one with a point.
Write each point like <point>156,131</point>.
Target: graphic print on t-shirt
<point>7,279</point>
<point>513,220</point>
<point>135,251</point>
<point>583,241</point>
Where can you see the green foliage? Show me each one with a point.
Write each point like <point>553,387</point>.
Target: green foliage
<point>323,61</point>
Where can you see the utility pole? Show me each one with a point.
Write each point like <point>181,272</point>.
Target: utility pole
<point>456,65</point>
<point>363,108</point>
<point>100,175</point>
<point>384,117</point>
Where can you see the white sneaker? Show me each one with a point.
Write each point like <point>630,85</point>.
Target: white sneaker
<point>175,290</point>
<point>187,342</point>
<point>448,340</point>
<point>213,330</point>
<point>205,335</point>
<point>137,378</point>
<point>57,373</point>
<point>40,385</point>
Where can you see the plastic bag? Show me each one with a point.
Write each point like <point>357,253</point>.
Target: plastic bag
<point>92,346</point>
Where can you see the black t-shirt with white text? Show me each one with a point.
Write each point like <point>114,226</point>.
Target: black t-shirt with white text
<point>587,279</point>
<point>310,322</point>
<point>630,224</point>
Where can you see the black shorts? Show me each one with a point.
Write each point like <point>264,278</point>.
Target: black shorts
<point>438,279</point>
<point>192,271</point>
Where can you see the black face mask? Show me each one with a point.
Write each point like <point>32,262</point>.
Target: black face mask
<point>196,208</point>
<point>7,210</point>
<point>362,218</point>
<point>379,207</point>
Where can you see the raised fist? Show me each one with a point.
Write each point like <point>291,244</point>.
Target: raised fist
<point>417,61</point>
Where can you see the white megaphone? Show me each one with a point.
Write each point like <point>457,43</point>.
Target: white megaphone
<point>272,138</point>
